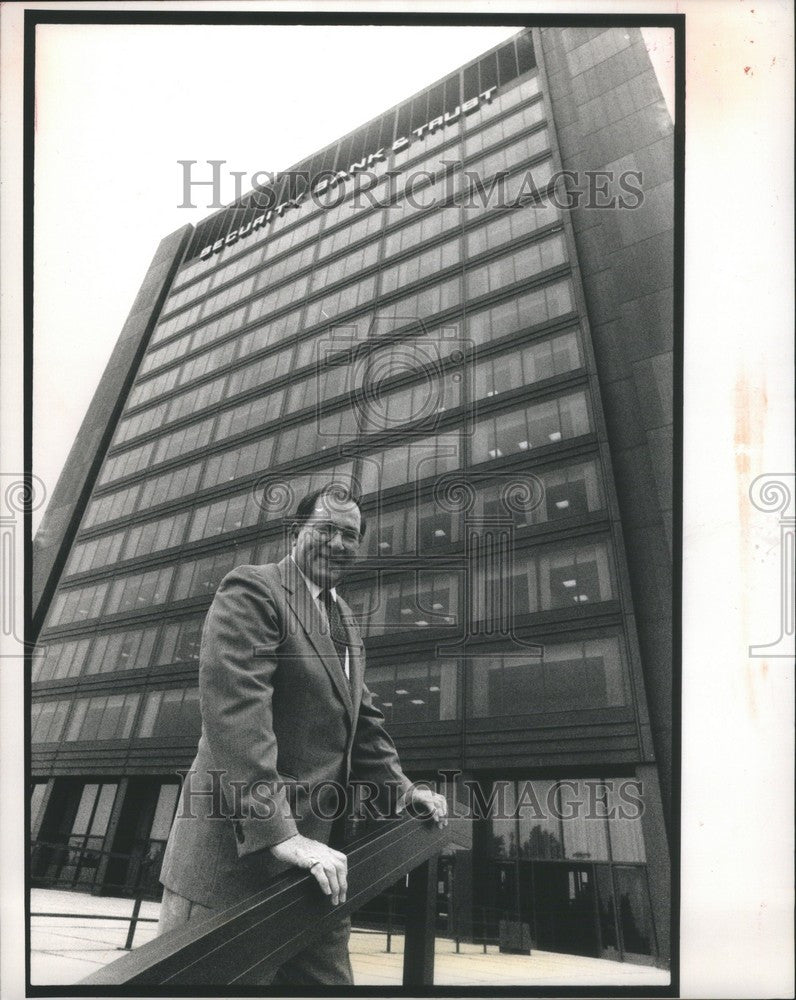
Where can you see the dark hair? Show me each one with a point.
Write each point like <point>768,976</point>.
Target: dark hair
<point>340,494</point>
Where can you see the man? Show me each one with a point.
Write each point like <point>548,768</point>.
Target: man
<point>285,714</point>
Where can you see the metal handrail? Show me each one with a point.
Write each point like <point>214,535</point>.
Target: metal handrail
<point>257,936</point>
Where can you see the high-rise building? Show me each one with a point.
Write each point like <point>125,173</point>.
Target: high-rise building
<point>469,319</point>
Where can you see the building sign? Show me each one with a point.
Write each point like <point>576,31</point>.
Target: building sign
<point>330,179</point>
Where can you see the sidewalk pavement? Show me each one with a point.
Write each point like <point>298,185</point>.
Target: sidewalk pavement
<point>65,949</point>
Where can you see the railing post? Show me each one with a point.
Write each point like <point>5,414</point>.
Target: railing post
<point>420,925</point>
<point>128,944</point>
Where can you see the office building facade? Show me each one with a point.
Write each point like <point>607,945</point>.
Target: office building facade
<point>445,325</point>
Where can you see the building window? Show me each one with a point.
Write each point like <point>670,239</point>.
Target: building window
<point>515,431</point>
<point>520,313</point>
<point>505,128</point>
<point>333,303</point>
<point>351,264</point>
<point>128,650</point>
<point>77,604</point>
<point>183,441</point>
<point>58,660</point>
<point>155,536</point>
<point>244,460</point>
<point>246,416</point>
<point>511,226</point>
<point>201,577</point>
<point>416,692</point>
<point>420,265</point>
<point>514,267</point>
<point>180,642</point>
<point>524,499</point>
<point>47,720</point>
<point>230,514</point>
<point>81,828</point>
<point>113,505</point>
<point>420,404</point>
<point>526,365</point>
<point>426,228</point>
<point>106,717</point>
<point>173,712</point>
<point>412,600</point>
<point>410,463</point>
<point>169,486</point>
<point>140,590</point>
<point>563,676</point>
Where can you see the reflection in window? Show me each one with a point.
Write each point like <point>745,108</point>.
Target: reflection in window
<point>537,815</point>
<point>635,912</point>
<point>182,441</point>
<point>344,267</point>
<point>349,297</point>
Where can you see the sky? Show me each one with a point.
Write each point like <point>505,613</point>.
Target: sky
<point>117,108</point>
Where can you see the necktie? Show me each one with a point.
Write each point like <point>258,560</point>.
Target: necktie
<point>336,627</point>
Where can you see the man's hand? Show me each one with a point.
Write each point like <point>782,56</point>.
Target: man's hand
<point>329,867</point>
<point>424,802</point>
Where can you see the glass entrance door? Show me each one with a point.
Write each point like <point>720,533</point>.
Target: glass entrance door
<point>565,908</point>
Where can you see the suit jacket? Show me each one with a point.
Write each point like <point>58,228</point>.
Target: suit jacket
<point>276,709</point>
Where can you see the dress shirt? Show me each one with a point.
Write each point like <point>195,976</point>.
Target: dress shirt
<point>315,589</point>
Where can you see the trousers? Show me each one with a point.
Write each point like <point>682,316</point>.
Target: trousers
<point>325,962</point>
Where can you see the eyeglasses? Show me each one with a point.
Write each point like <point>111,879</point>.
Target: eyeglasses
<point>328,529</point>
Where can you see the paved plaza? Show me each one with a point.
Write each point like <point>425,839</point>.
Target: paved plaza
<point>65,949</point>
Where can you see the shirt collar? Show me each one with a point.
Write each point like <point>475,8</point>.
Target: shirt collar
<point>314,588</point>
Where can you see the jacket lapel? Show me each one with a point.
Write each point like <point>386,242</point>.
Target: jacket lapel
<point>309,616</point>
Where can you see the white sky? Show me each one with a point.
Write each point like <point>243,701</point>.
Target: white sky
<point>140,98</point>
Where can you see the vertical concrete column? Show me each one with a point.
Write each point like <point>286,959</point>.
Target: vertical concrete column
<point>658,864</point>
<point>37,820</point>
<point>110,835</point>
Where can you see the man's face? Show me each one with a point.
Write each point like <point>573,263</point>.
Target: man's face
<point>327,545</point>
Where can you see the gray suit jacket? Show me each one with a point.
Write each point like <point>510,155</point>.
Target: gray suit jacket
<point>277,709</point>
